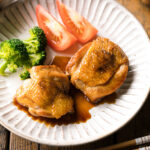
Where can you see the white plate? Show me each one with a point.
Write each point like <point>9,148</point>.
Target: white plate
<point>114,22</point>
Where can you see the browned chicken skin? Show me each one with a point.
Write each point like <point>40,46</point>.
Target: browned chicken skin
<point>98,68</point>
<point>45,94</point>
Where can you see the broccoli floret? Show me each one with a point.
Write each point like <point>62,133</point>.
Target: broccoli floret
<point>37,59</point>
<point>24,75</point>
<point>36,46</point>
<point>12,67</point>
<point>13,54</point>
<point>37,41</point>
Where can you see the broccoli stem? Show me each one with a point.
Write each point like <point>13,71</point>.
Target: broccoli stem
<point>3,66</point>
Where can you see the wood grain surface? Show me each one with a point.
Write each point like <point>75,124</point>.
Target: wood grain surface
<point>4,138</point>
<point>139,126</point>
<point>17,143</point>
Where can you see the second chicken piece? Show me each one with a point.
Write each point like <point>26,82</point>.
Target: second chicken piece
<point>46,93</point>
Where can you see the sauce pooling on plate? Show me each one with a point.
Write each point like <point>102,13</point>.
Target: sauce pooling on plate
<point>82,105</point>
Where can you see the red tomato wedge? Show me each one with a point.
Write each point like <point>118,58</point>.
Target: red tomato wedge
<point>57,35</point>
<point>76,24</point>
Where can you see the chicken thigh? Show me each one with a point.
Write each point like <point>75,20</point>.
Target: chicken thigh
<point>46,93</point>
<point>98,68</point>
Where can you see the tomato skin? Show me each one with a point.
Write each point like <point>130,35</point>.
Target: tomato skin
<point>57,35</point>
<point>76,24</point>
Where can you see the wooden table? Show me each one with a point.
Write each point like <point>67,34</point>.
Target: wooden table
<point>139,126</point>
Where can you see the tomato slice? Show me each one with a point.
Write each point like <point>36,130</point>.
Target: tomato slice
<point>76,24</point>
<point>57,35</point>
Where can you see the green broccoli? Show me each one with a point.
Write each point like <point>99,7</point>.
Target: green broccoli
<point>37,41</point>
<point>13,54</point>
<point>35,46</point>
<point>25,74</point>
<point>37,59</point>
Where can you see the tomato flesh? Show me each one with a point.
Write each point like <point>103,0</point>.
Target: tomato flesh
<point>57,36</point>
<point>76,24</point>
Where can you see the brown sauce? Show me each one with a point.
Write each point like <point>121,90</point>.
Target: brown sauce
<point>82,105</point>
